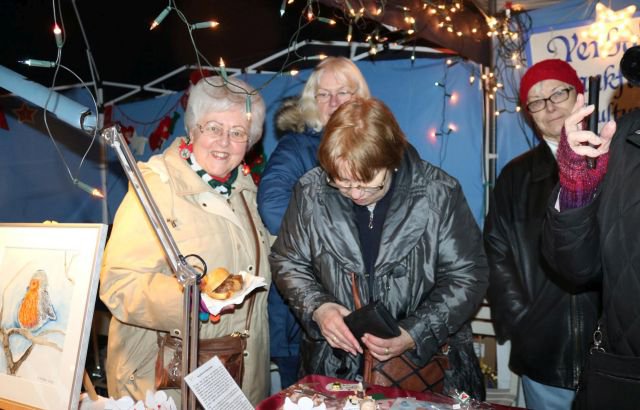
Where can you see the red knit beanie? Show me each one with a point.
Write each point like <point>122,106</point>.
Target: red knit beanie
<point>553,69</point>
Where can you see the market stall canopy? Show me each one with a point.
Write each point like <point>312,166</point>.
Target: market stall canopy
<point>132,60</point>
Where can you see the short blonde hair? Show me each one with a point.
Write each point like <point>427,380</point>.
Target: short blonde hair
<point>214,94</point>
<point>346,71</point>
<point>364,135</point>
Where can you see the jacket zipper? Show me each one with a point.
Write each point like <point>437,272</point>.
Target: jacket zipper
<point>576,341</point>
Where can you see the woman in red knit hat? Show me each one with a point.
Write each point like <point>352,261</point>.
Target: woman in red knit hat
<point>547,322</point>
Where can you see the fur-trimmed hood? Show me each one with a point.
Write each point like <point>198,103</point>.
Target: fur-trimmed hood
<point>288,117</point>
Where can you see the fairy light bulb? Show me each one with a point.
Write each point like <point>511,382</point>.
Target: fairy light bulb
<point>282,7</point>
<point>57,33</point>
<point>294,72</point>
<point>349,34</point>
<point>330,22</point>
<point>88,189</point>
<point>247,107</point>
<point>161,16</point>
<point>350,8</point>
<point>223,71</point>
<point>38,63</point>
<point>205,24</point>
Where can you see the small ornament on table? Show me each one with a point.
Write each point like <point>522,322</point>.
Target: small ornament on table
<point>368,404</point>
<point>462,399</point>
<point>304,402</point>
<point>354,402</point>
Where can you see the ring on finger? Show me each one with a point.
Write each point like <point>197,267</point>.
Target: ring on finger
<point>386,350</point>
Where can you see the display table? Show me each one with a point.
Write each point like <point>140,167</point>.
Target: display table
<point>319,383</point>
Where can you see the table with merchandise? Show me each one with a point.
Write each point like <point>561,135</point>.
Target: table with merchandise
<point>316,392</point>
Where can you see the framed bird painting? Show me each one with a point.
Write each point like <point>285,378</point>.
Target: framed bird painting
<point>49,276</point>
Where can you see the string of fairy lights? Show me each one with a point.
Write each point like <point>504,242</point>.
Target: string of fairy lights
<point>507,30</point>
<point>354,14</point>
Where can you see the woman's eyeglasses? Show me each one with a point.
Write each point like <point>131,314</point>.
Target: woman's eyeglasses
<point>362,188</point>
<point>325,96</point>
<point>216,131</point>
<point>556,98</point>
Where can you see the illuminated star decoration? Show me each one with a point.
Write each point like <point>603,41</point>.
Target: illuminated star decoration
<point>24,113</point>
<point>611,27</point>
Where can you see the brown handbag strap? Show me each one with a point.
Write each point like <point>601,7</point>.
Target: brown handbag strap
<point>257,267</point>
<point>354,289</point>
<point>368,359</point>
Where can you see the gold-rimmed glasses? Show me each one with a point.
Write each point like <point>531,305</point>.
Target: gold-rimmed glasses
<point>215,130</point>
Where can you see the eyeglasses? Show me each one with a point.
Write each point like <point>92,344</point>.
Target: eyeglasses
<point>556,98</point>
<point>341,96</point>
<point>216,131</point>
<point>367,190</point>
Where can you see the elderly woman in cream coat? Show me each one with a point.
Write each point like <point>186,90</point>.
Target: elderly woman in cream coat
<point>199,185</point>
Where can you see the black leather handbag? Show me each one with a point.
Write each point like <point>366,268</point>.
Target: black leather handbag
<point>608,381</point>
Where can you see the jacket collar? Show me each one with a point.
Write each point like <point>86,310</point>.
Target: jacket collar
<point>340,233</point>
<point>544,164</point>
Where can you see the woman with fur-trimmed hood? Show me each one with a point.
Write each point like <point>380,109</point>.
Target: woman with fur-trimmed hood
<point>300,122</point>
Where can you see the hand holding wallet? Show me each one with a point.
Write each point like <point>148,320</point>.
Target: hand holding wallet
<point>374,319</point>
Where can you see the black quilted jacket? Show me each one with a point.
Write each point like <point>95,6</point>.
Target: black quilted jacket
<point>548,322</point>
<point>599,242</point>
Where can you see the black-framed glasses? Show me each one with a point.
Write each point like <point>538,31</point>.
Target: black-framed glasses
<point>556,98</point>
<point>362,188</point>
<point>342,96</point>
<point>214,130</point>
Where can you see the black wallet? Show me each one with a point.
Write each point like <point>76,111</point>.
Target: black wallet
<point>374,319</point>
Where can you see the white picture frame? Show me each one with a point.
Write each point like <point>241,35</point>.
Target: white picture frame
<point>49,275</point>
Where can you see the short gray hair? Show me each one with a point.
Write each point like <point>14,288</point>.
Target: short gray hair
<point>215,94</point>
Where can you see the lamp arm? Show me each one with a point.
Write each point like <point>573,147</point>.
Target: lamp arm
<point>185,273</point>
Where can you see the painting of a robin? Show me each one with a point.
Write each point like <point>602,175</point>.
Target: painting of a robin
<point>36,308</point>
